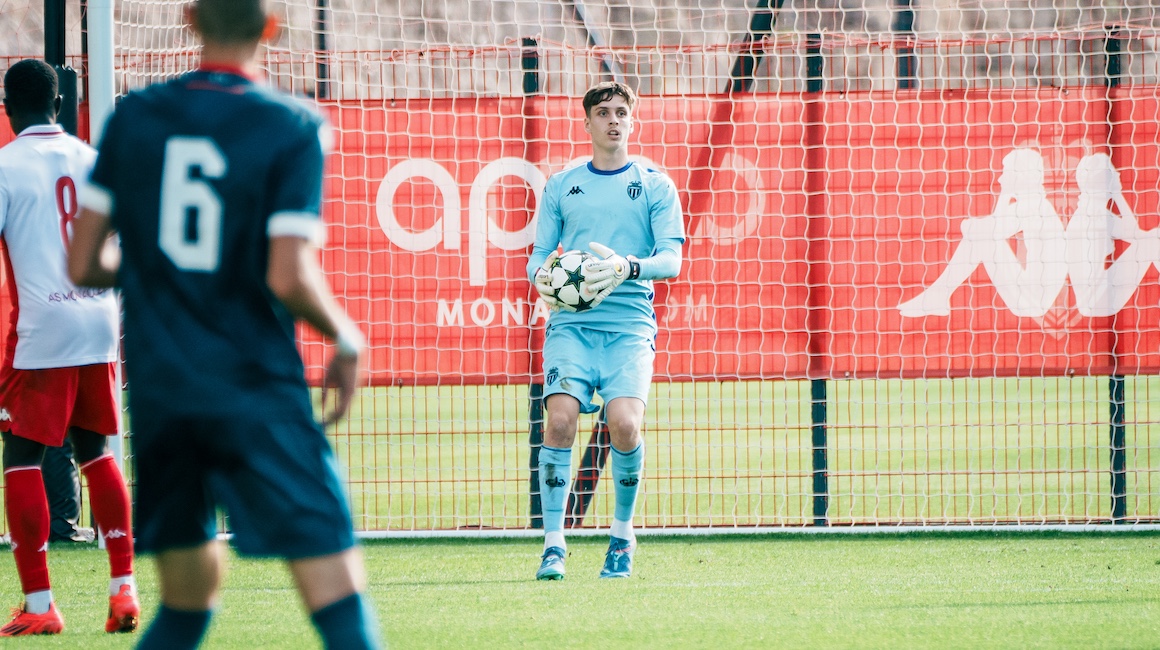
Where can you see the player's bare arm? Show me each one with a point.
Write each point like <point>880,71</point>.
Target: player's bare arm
<point>93,257</point>
<point>295,278</point>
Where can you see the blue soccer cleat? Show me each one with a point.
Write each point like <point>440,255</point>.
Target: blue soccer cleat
<point>552,566</point>
<point>618,560</point>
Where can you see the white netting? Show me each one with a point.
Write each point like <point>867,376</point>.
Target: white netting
<point>864,331</point>
<point>446,48</point>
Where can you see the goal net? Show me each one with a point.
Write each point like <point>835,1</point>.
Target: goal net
<point>922,278</point>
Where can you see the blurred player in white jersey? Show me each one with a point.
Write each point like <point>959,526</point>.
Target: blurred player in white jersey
<point>58,375</point>
<point>630,217</point>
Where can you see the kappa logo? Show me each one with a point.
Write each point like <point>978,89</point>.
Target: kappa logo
<point>554,482</point>
<point>629,482</point>
<point>1084,250</point>
<point>634,190</point>
<point>115,533</point>
<point>575,190</point>
<point>5,416</point>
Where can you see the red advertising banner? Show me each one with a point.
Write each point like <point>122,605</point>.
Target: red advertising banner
<point>985,233</point>
<point>969,233</point>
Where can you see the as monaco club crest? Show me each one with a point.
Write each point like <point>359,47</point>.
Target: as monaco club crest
<point>634,190</point>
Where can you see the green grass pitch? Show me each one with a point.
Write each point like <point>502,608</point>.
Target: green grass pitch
<point>727,453</point>
<point>927,590</point>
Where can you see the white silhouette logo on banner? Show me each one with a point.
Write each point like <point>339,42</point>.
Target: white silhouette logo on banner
<point>1102,289</point>
<point>1030,287</point>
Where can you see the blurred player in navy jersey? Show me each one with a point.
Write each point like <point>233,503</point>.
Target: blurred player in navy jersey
<point>213,184</point>
<point>630,217</point>
<point>58,375</point>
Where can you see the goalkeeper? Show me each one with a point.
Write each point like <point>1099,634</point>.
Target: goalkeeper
<point>629,216</point>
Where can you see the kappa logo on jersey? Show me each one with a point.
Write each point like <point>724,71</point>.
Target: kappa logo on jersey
<point>1030,280</point>
<point>554,482</point>
<point>575,190</point>
<point>634,190</point>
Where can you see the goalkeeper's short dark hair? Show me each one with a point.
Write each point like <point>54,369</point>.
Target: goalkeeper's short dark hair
<point>30,88</point>
<point>231,21</point>
<point>605,91</point>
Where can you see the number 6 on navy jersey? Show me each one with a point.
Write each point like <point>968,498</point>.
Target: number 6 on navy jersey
<point>191,211</point>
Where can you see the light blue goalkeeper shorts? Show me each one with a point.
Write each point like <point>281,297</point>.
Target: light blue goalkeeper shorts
<point>581,362</point>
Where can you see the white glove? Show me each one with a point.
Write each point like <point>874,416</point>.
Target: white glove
<point>543,284</point>
<point>604,275</point>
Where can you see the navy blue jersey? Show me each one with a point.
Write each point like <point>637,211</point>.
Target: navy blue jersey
<point>198,174</point>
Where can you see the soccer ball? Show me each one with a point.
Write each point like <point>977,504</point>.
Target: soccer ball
<point>568,284</point>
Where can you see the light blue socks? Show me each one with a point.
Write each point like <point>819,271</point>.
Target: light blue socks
<point>626,469</point>
<point>555,485</point>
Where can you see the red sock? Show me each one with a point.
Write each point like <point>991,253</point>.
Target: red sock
<point>112,510</point>
<point>27,510</point>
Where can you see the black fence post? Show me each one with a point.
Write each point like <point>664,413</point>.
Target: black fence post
<point>907,64</point>
<point>815,130</point>
<point>1113,66</point>
<point>1118,450</point>
<point>819,460</point>
<point>322,54</point>
<point>530,65</point>
<point>55,32</point>
<point>1113,76</point>
<point>535,441</point>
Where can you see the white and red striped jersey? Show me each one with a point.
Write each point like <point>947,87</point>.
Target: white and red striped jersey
<point>56,324</point>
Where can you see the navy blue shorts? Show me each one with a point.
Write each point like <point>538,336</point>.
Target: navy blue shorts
<point>275,478</point>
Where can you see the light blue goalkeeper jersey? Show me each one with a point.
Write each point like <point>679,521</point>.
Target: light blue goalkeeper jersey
<point>629,210</point>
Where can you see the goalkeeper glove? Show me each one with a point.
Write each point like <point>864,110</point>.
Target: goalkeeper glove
<point>604,275</point>
<point>543,284</point>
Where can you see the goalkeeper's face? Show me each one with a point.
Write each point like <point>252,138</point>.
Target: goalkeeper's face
<point>609,123</point>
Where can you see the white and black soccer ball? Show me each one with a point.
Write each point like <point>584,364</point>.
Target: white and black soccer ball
<point>568,284</point>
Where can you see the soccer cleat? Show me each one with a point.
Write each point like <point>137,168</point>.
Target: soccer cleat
<point>124,611</point>
<point>23,623</point>
<point>618,560</point>
<point>552,566</point>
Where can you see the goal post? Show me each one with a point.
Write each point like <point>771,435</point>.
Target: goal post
<point>921,286</point>
<point>100,65</point>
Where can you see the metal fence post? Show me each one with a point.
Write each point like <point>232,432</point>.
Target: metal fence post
<point>816,325</point>
<point>1113,72</point>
